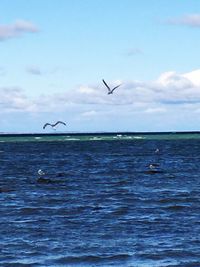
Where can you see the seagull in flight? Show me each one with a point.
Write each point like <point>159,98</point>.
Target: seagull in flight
<point>53,125</point>
<point>110,91</point>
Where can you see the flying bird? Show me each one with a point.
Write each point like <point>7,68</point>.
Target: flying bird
<point>53,125</point>
<point>110,91</point>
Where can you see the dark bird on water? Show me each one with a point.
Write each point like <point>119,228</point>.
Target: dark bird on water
<point>53,125</point>
<point>110,91</point>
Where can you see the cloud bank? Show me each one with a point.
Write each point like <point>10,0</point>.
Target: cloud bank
<point>13,99</point>
<point>192,20</point>
<point>17,29</point>
<point>170,89</point>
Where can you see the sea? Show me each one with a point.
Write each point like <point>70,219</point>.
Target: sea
<point>100,200</point>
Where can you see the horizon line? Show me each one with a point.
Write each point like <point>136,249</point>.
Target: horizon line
<point>95,133</point>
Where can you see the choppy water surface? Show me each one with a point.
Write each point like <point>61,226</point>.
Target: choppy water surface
<point>99,204</point>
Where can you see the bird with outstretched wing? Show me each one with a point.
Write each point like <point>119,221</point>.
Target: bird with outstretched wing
<point>110,91</point>
<point>53,125</point>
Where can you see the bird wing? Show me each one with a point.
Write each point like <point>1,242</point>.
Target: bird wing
<point>46,124</point>
<point>61,122</point>
<point>115,87</point>
<point>106,85</point>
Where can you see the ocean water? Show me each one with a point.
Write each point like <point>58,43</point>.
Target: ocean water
<point>99,203</point>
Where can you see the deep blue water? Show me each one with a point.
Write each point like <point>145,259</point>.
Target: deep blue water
<point>99,204</point>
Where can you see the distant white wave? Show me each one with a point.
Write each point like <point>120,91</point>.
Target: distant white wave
<point>72,139</point>
<point>138,137</point>
<point>96,138</point>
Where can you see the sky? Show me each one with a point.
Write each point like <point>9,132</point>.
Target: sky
<point>54,55</point>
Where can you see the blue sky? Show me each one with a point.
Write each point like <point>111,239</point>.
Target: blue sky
<point>54,55</point>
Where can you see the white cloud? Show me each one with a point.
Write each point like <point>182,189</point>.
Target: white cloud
<point>133,51</point>
<point>155,110</point>
<point>34,70</point>
<point>194,77</point>
<point>16,29</point>
<point>90,113</point>
<point>13,99</point>
<point>86,90</point>
<point>192,20</point>
<point>168,90</point>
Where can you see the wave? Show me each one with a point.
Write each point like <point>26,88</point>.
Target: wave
<point>72,139</point>
<point>92,259</point>
<point>95,138</point>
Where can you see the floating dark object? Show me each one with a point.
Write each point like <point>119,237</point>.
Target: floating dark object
<point>5,190</point>
<point>153,171</point>
<point>153,168</point>
<point>42,180</point>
